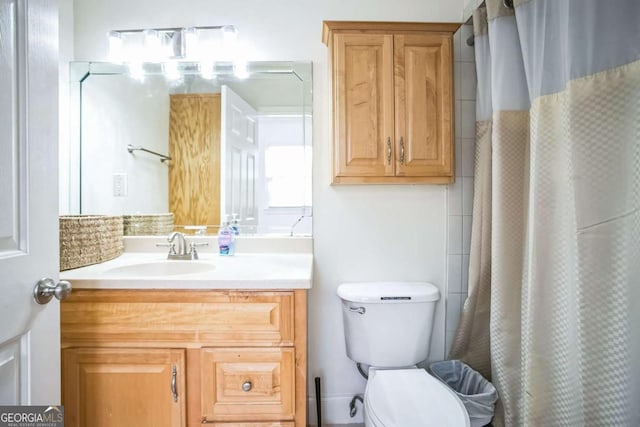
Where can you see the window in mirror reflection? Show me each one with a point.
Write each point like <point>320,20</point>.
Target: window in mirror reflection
<point>284,164</point>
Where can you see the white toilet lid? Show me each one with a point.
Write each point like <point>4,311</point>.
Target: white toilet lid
<point>412,398</point>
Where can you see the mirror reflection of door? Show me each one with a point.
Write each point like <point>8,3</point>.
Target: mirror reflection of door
<point>194,171</point>
<point>240,151</point>
<point>210,133</point>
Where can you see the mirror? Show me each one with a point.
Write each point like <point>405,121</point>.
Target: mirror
<point>238,147</point>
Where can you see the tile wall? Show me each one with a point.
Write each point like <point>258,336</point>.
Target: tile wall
<point>460,194</point>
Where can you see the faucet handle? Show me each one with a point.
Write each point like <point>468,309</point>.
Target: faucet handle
<point>200,230</point>
<point>170,245</point>
<point>192,249</point>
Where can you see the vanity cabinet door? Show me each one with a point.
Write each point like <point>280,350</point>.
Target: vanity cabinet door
<point>124,387</point>
<point>248,384</point>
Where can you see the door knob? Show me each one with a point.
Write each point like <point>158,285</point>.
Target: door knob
<point>46,289</point>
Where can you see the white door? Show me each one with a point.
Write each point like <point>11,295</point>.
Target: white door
<point>239,142</point>
<point>29,332</point>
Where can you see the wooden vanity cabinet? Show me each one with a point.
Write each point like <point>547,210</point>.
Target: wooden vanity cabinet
<point>392,89</point>
<point>184,358</point>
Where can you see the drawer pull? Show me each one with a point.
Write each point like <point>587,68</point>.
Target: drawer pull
<point>174,385</point>
<point>246,386</point>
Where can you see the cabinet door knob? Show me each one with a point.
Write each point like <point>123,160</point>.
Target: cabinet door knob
<point>402,150</point>
<point>246,386</point>
<point>388,150</point>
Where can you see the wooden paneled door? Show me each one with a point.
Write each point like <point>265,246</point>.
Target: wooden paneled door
<point>363,114</point>
<point>240,159</point>
<point>423,110</point>
<point>29,332</point>
<point>124,387</point>
<point>194,171</point>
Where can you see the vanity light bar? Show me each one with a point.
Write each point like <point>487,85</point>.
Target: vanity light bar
<point>175,40</point>
<point>205,44</point>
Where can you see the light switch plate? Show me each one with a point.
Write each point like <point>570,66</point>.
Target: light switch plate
<point>120,185</point>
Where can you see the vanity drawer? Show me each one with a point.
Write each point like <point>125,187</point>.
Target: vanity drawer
<point>150,318</point>
<point>244,384</point>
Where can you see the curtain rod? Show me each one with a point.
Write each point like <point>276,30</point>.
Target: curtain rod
<point>508,4</point>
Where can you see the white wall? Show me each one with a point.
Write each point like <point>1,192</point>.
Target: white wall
<point>116,112</point>
<point>370,232</point>
<point>468,8</point>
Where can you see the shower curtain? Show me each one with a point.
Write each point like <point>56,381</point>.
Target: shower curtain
<point>553,313</point>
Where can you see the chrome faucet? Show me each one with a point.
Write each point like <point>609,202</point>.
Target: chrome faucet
<point>181,252</point>
<point>182,246</point>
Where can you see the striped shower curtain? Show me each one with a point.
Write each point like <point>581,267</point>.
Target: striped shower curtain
<point>553,314</point>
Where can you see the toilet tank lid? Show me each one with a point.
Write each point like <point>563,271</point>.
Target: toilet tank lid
<point>388,292</point>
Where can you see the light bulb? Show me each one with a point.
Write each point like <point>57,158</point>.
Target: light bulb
<point>136,71</point>
<point>207,69</point>
<point>170,70</point>
<point>190,40</point>
<point>240,68</point>
<point>115,46</point>
<point>152,45</point>
<point>229,33</point>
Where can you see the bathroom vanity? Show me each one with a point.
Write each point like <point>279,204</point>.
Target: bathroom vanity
<point>148,342</point>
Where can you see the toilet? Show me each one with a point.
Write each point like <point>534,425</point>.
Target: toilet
<point>387,326</point>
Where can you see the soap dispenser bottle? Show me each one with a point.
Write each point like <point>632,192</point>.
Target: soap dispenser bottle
<point>235,226</point>
<point>225,239</point>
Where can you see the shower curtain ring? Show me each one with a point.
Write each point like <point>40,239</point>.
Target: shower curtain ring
<point>508,4</point>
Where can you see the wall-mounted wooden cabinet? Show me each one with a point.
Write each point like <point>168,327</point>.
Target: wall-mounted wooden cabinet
<point>184,358</point>
<point>392,102</point>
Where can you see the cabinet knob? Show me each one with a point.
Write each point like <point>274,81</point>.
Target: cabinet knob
<point>388,150</point>
<point>246,386</point>
<point>402,150</point>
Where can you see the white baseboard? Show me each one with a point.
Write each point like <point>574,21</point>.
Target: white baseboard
<point>335,410</point>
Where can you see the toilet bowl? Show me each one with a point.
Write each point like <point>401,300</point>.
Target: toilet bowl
<point>388,327</point>
<point>411,398</point>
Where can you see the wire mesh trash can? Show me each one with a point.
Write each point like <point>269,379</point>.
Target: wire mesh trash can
<point>477,394</point>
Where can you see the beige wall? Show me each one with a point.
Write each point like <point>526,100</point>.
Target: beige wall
<point>361,233</point>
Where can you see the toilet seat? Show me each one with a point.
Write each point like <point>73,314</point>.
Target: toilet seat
<point>411,398</point>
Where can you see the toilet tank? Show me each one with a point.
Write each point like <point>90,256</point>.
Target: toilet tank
<point>388,324</point>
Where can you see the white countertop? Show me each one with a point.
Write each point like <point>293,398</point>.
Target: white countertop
<point>241,271</point>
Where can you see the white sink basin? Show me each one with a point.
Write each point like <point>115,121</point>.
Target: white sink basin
<point>151,270</point>
<point>161,268</point>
